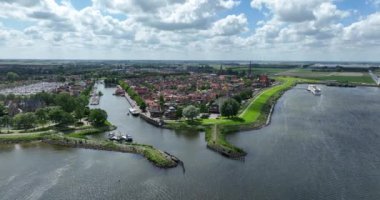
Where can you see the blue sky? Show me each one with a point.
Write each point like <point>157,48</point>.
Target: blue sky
<point>341,30</point>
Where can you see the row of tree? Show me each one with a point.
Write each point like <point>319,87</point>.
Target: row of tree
<point>60,109</point>
<point>55,115</point>
<point>132,93</point>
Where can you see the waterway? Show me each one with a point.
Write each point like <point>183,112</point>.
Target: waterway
<point>325,147</point>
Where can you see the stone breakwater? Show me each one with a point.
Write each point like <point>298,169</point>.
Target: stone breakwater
<point>225,152</point>
<point>167,160</point>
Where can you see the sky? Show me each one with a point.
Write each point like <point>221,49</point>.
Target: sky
<point>278,30</point>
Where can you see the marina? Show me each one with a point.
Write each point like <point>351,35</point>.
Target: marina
<point>32,88</point>
<point>95,97</point>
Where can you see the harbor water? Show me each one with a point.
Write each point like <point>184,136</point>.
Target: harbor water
<point>316,147</point>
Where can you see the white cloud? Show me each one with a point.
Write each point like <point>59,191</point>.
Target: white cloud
<point>289,10</point>
<point>169,14</point>
<point>365,31</point>
<point>299,23</point>
<point>231,25</point>
<point>181,29</point>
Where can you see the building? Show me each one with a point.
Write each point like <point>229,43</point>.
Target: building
<point>264,81</point>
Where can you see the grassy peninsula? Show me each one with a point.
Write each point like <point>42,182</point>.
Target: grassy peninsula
<point>253,116</point>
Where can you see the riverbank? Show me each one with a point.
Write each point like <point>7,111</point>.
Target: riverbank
<point>76,138</point>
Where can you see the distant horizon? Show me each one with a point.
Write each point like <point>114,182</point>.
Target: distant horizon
<point>193,60</point>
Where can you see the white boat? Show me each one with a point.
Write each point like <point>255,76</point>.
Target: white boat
<point>314,89</point>
<point>134,111</point>
<point>126,138</point>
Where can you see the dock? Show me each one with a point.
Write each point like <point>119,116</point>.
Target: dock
<point>154,121</point>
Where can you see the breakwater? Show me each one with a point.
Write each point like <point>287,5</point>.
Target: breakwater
<point>157,157</point>
<point>225,152</point>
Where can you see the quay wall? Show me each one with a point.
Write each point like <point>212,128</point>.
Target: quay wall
<point>152,121</point>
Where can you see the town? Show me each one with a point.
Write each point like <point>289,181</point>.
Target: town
<point>166,96</point>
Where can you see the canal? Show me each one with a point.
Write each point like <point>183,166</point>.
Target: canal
<point>325,147</point>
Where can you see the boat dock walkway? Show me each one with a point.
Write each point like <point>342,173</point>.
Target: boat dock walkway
<point>146,116</point>
<point>131,101</point>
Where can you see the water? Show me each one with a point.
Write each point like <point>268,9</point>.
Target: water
<point>324,147</point>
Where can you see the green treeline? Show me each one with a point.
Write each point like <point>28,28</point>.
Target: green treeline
<point>132,93</point>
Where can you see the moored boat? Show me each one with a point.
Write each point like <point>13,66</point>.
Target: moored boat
<point>314,90</point>
<point>134,111</point>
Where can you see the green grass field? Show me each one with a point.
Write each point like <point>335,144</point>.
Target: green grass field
<point>255,108</point>
<point>341,77</point>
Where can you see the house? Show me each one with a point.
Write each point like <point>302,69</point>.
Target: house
<point>119,91</point>
<point>31,105</point>
<point>214,108</point>
<point>13,109</point>
<point>154,109</point>
<point>264,81</point>
<point>171,113</point>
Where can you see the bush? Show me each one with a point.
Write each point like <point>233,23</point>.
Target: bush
<point>190,112</point>
<point>25,120</point>
<point>230,108</point>
<point>98,117</point>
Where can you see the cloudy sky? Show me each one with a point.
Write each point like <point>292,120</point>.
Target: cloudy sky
<point>331,30</point>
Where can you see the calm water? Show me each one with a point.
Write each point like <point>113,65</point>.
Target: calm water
<point>324,147</point>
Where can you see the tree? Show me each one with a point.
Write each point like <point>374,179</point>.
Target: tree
<point>143,106</point>
<point>79,113</point>
<point>67,119</point>
<point>60,117</point>
<point>203,108</point>
<point>25,121</point>
<point>45,97</point>
<point>230,108</point>
<point>6,121</point>
<point>67,102</point>
<point>80,109</point>
<point>190,112</point>
<point>98,117</point>
<point>11,76</point>
<point>42,115</point>
<point>178,112</point>
<point>238,98</point>
<point>162,102</point>
<point>2,110</point>
<point>1,123</point>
